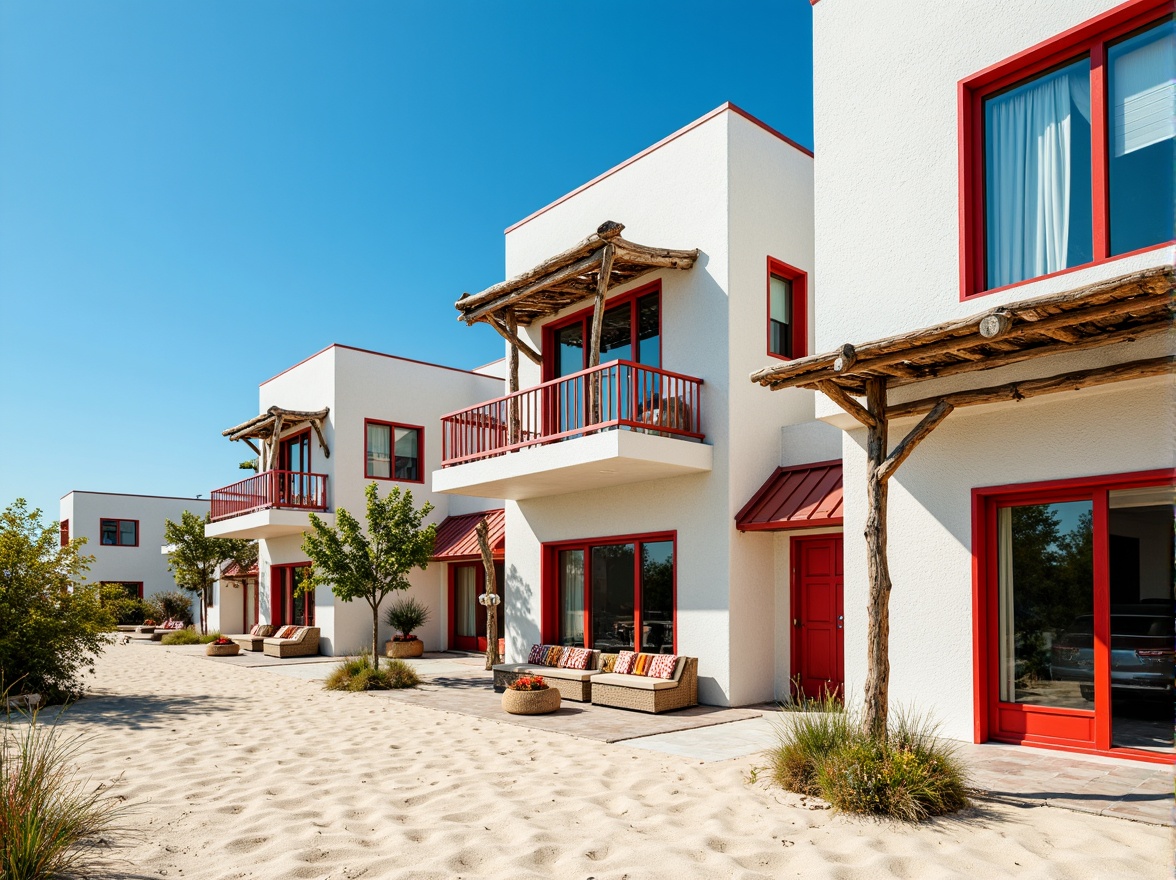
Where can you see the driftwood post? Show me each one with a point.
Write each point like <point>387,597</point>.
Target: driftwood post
<point>602,280</point>
<point>878,603</point>
<point>513,362</point>
<point>483,531</point>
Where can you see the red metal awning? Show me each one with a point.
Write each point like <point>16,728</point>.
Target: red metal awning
<point>805,496</point>
<point>232,571</point>
<point>457,538</point>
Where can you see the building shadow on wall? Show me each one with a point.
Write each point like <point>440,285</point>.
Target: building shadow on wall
<point>521,613</point>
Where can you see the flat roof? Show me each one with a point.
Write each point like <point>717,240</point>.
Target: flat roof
<point>394,357</point>
<point>135,495</point>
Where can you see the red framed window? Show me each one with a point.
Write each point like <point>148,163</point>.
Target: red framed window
<point>64,532</point>
<point>1074,614</point>
<point>134,588</point>
<point>1067,150</point>
<point>787,311</point>
<point>393,451</point>
<point>631,331</point>
<point>294,452</point>
<point>601,593</point>
<point>118,532</point>
<point>286,607</point>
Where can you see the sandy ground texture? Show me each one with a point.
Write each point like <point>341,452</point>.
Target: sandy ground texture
<point>241,773</point>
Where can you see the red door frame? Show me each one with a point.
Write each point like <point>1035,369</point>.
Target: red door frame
<point>281,603</point>
<point>796,606</point>
<point>1072,730</point>
<point>480,574</point>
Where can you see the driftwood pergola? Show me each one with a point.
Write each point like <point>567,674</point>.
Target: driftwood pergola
<point>267,430</point>
<point>586,271</point>
<point>1119,310</point>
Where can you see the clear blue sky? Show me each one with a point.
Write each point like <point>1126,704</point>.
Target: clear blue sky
<point>196,194</point>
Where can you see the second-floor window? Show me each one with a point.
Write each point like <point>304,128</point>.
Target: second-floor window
<point>1073,157</point>
<point>64,532</point>
<point>119,532</point>
<point>393,452</point>
<point>787,312</point>
<point>630,331</point>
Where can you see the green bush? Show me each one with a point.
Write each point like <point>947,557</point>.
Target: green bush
<point>124,608</point>
<point>189,637</point>
<point>52,626</point>
<point>909,773</point>
<point>358,674</point>
<point>49,818</point>
<point>172,605</point>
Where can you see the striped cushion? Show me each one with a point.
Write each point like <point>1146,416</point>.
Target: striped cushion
<point>575,658</point>
<point>662,666</point>
<point>286,632</point>
<point>538,652</point>
<point>625,661</point>
<point>261,629</point>
<point>641,664</point>
<point>554,653</point>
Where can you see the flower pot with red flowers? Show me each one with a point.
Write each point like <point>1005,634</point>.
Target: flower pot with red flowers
<point>222,647</point>
<point>405,615</point>
<point>530,695</point>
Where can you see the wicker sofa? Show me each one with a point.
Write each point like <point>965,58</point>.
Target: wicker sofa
<point>253,640</point>
<point>304,643</point>
<point>572,684</point>
<point>649,694</point>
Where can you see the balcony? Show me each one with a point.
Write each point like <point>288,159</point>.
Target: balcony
<point>614,424</point>
<point>267,505</point>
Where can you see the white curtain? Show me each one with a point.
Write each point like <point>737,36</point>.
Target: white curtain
<point>571,597</point>
<point>1027,155</point>
<point>379,440</point>
<point>1143,90</point>
<point>466,619</point>
<point>1008,645</point>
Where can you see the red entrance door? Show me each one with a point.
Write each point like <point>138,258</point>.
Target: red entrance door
<point>467,616</point>
<point>818,635</point>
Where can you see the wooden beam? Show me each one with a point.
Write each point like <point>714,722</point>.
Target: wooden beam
<point>876,697</point>
<point>509,332</point>
<point>252,446</point>
<point>1026,388</point>
<point>580,267</point>
<point>660,258</point>
<point>903,450</point>
<point>602,280</point>
<point>513,416</point>
<point>317,424</point>
<point>846,358</point>
<point>841,398</point>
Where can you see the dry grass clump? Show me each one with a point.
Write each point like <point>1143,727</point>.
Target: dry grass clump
<point>358,674</point>
<point>908,774</point>
<point>189,637</point>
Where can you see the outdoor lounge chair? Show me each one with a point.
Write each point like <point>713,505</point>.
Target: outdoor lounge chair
<point>304,643</point>
<point>649,694</point>
<point>168,626</point>
<point>572,684</point>
<point>255,638</point>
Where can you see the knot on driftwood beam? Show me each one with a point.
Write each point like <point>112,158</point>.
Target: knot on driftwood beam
<point>610,229</point>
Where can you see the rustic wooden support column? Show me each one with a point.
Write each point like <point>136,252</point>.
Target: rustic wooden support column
<point>513,418</point>
<point>602,280</point>
<point>483,532</point>
<point>878,604</point>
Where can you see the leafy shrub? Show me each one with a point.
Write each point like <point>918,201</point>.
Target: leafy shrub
<point>52,626</point>
<point>406,614</point>
<point>908,774</point>
<point>189,637</point>
<point>124,608</point>
<point>172,605</point>
<point>48,816</point>
<point>358,674</point>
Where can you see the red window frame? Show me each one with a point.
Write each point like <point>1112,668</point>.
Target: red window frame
<point>798,328</point>
<point>282,597</point>
<point>1074,730</point>
<point>549,577</point>
<point>1090,37</point>
<point>392,426</point>
<point>584,316</point>
<point>299,437</point>
<point>117,531</point>
<point>65,533</point>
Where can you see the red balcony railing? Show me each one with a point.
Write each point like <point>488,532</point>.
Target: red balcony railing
<point>617,395</point>
<point>292,490</point>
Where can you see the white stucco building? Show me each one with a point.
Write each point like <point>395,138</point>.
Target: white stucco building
<point>346,417</point>
<point>124,534</point>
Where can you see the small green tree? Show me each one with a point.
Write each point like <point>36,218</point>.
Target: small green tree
<point>195,559</point>
<point>370,566</point>
<point>52,626</point>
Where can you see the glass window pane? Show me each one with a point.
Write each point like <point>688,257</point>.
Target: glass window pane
<point>1142,85</point>
<point>780,315</point>
<point>379,451</point>
<point>571,597</point>
<point>1046,599</point>
<point>649,330</point>
<point>128,532</point>
<point>612,597</point>
<point>1037,176</point>
<point>570,344</point>
<point>466,617</point>
<point>657,597</point>
<point>616,334</point>
<point>407,454</point>
<point>110,531</point>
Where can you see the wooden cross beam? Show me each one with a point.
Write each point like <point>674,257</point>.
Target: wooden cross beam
<point>509,332</point>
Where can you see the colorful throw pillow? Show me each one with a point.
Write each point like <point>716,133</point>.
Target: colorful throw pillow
<point>286,632</point>
<point>575,658</point>
<point>641,664</point>
<point>261,629</point>
<point>624,664</point>
<point>538,653</point>
<point>663,666</point>
<point>554,652</point>
<point>608,662</point>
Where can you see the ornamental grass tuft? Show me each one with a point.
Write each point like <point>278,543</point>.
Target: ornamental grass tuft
<point>189,637</point>
<point>52,823</point>
<point>358,674</point>
<point>908,774</point>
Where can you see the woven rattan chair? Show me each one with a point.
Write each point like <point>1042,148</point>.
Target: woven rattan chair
<point>304,644</point>
<point>649,694</point>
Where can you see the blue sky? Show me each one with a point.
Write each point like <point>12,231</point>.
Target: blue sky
<point>196,195</point>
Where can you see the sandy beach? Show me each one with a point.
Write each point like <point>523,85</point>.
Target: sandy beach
<point>232,772</point>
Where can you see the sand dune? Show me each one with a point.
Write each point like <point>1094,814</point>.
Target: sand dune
<point>240,773</point>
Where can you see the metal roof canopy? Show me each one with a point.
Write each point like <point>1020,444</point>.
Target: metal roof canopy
<point>457,536</point>
<point>805,496</point>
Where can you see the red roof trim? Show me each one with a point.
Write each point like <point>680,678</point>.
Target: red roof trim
<point>806,496</point>
<point>722,108</point>
<point>458,540</point>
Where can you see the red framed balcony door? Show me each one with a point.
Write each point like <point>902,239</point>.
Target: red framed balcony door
<point>467,616</point>
<point>818,634</point>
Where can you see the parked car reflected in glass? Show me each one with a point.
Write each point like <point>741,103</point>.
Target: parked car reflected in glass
<point>1143,658</point>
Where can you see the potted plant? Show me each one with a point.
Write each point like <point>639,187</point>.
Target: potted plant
<point>530,695</point>
<point>404,615</point>
<point>222,646</point>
